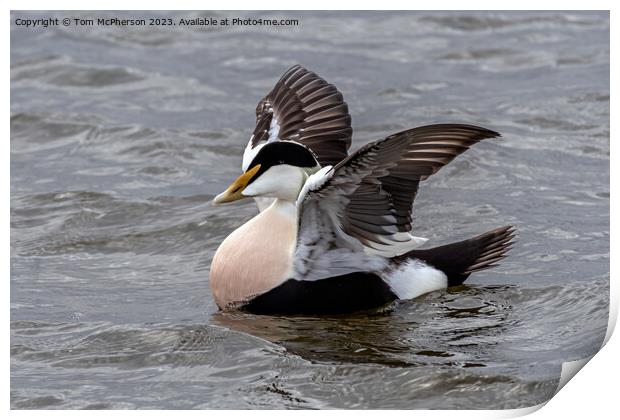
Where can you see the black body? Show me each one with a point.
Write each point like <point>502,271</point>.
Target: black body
<point>352,292</point>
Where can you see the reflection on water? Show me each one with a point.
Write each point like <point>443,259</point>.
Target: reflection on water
<point>397,337</point>
<point>121,137</point>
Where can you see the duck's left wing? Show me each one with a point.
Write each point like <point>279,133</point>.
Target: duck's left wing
<point>358,213</point>
<point>305,108</point>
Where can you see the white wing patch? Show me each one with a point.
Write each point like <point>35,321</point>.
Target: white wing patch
<point>250,152</point>
<point>274,128</point>
<point>396,244</point>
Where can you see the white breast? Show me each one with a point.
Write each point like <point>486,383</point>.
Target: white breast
<point>256,257</point>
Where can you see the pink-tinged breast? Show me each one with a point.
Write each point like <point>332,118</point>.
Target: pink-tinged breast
<point>255,258</point>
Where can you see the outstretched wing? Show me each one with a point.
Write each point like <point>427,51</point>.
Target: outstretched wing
<point>305,108</point>
<point>359,212</point>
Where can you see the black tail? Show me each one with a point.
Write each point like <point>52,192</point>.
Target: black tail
<point>460,259</point>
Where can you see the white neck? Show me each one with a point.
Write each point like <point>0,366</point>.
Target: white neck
<point>284,206</point>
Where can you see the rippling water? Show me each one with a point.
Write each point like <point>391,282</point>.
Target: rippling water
<point>120,137</point>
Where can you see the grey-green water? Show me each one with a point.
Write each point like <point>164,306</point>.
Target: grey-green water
<point>120,137</point>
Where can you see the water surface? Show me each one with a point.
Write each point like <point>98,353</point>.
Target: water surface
<point>120,137</point>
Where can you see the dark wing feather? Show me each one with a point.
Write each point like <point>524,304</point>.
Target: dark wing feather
<point>458,260</point>
<point>308,110</point>
<point>375,186</point>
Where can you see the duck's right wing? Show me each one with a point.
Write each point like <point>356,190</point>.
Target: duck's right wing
<point>358,213</point>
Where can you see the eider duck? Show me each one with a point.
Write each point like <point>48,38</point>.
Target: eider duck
<point>336,235</point>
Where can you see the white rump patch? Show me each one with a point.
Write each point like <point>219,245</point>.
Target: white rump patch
<point>415,279</point>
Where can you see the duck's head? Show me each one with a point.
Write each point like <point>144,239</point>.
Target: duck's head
<point>278,170</point>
